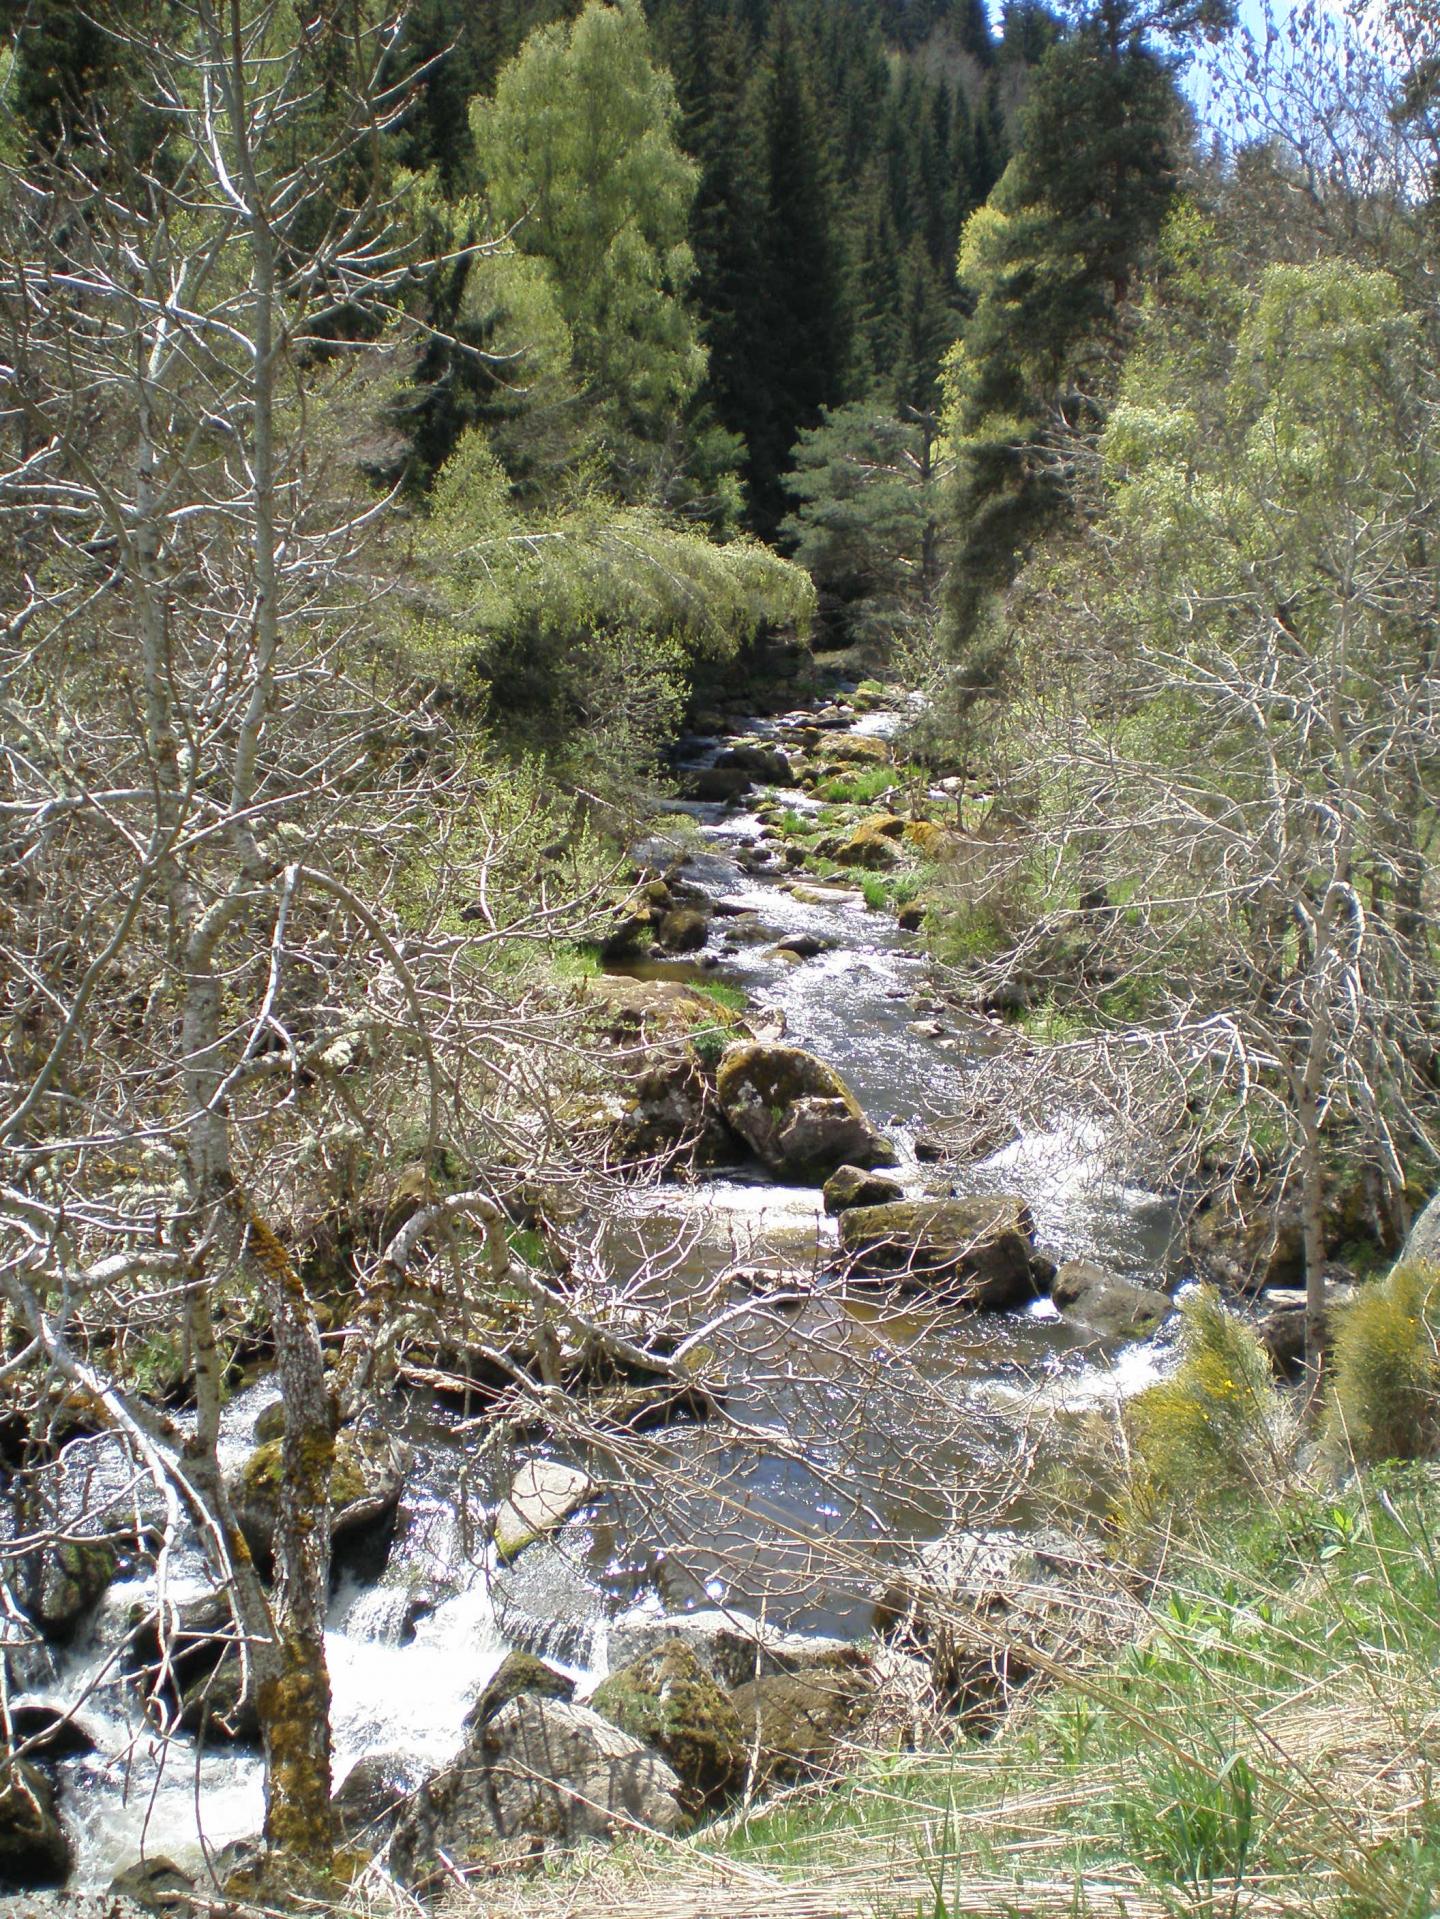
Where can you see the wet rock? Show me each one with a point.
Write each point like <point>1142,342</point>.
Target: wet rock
<point>517,1674</point>
<point>759,760</point>
<point>715,783</point>
<point>542,1494</point>
<point>972,1252</point>
<point>929,1149</point>
<point>368,1802</point>
<point>668,1700</point>
<point>795,1721</point>
<point>912,916</point>
<point>1113,1308</point>
<point>991,1609</point>
<point>803,945</point>
<point>731,1645</point>
<point>58,1584</point>
<point>50,1729</point>
<point>684,929</point>
<point>365,1486</point>
<point>795,1112</point>
<point>629,934</point>
<point>851,1186</point>
<point>542,1770</point>
<point>34,1849</point>
<point>189,1663</point>
<point>820,895</point>
<point>157,1884</point>
<point>927,1029</point>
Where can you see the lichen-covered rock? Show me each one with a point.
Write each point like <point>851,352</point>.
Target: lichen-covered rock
<point>872,846</point>
<point>851,1186</point>
<point>673,1114</point>
<point>517,1674</point>
<point>794,1722</point>
<point>365,1487</point>
<point>929,839</point>
<point>544,1770</point>
<point>970,1252</point>
<point>1101,1303</point>
<point>795,1112</point>
<point>991,1609</point>
<point>669,1701</point>
<point>34,1849</point>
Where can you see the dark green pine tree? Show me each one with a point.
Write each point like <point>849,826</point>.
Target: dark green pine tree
<point>972,18</point>
<point>991,144</point>
<point>927,324</point>
<point>880,297</point>
<point>803,333</point>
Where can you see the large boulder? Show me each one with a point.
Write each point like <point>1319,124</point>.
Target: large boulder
<point>370,1797</point>
<point>365,1486</point>
<point>668,1700</point>
<point>1113,1308</point>
<point>541,1770</point>
<point>795,1112</point>
<point>684,929</point>
<point>793,1722</point>
<point>759,759</point>
<point>970,1252</point>
<point>850,1186</point>
<point>1423,1242</point>
<point>732,1646</point>
<point>34,1849</point>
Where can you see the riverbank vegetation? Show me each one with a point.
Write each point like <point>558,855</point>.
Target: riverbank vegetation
<point>416,423</point>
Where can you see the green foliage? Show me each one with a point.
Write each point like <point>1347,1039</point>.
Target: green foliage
<point>1194,1823</point>
<point>1216,1428</point>
<point>580,161</point>
<point>732,998</point>
<point>856,789</point>
<point>1385,1371</point>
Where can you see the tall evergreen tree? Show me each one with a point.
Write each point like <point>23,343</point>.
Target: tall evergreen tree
<point>804,326</point>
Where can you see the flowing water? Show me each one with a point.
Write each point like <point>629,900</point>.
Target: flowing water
<point>773,1526</point>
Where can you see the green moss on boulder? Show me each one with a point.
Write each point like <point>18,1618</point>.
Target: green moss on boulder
<point>667,1699</point>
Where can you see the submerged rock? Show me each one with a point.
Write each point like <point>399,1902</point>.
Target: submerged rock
<point>157,1884</point>
<point>1113,1308</point>
<point>667,1699</point>
<point>973,1252</point>
<point>795,1112</point>
<point>541,1770</point>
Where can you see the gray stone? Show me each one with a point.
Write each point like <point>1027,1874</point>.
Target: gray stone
<point>542,1494</point>
<point>794,1722</point>
<point>969,1252</point>
<point>795,1112</point>
<point>851,1186</point>
<point>34,1848</point>
<point>734,1646</point>
<point>542,1770</point>
<point>1113,1308</point>
<point>1423,1242</point>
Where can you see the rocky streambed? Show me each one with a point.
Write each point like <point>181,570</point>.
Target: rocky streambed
<point>540,1639</point>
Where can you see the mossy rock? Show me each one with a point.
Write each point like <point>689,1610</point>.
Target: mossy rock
<point>667,1699</point>
<point>929,839</point>
<point>872,845</point>
<point>795,1112</point>
<point>1111,1307</point>
<point>684,929</point>
<point>796,1720</point>
<point>518,1673</point>
<point>366,1481</point>
<point>851,1186</point>
<point>978,1251</point>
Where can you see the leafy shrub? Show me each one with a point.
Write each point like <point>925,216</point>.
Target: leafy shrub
<point>1216,1427</point>
<point>1385,1380</point>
